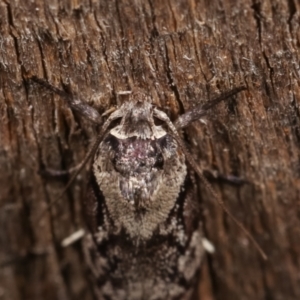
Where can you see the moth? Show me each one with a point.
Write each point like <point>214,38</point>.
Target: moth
<point>141,208</point>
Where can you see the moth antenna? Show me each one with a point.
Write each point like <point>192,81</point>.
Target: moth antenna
<point>162,116</point>
<point>201,110</point>
<point>76,105</point>
<point>115,115</point>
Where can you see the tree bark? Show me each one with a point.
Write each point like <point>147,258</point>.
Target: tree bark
<point>184,53</point>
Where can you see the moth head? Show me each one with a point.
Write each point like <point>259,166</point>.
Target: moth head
<point>137,119</point>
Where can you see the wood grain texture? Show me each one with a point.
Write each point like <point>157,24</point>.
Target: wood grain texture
<point>184,53</point>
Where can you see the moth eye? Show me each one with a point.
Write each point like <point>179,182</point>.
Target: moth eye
<point>164,141</point>
<point>112,141</point>
<point>158,122</point>
<point>159,163</point>
<point>114,123</point>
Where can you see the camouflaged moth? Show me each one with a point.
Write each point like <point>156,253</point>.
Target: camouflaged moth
<point>141,208</point>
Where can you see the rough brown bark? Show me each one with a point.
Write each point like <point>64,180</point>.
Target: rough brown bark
<point>184,52</point>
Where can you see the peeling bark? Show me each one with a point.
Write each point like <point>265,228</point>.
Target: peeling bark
<point>184,53</point>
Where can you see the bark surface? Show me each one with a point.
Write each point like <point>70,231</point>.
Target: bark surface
<point>184,53</point>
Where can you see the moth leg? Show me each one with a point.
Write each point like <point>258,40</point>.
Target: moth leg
<point>48,172</point>
<point>24,258</point>
<point>108,112</point>
<point>228,179</point>
<point>201,110</point>
<point>76,105</point>
<point>73,238</point>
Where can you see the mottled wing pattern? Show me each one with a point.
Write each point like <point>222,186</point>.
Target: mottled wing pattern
<point>162,268</point>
